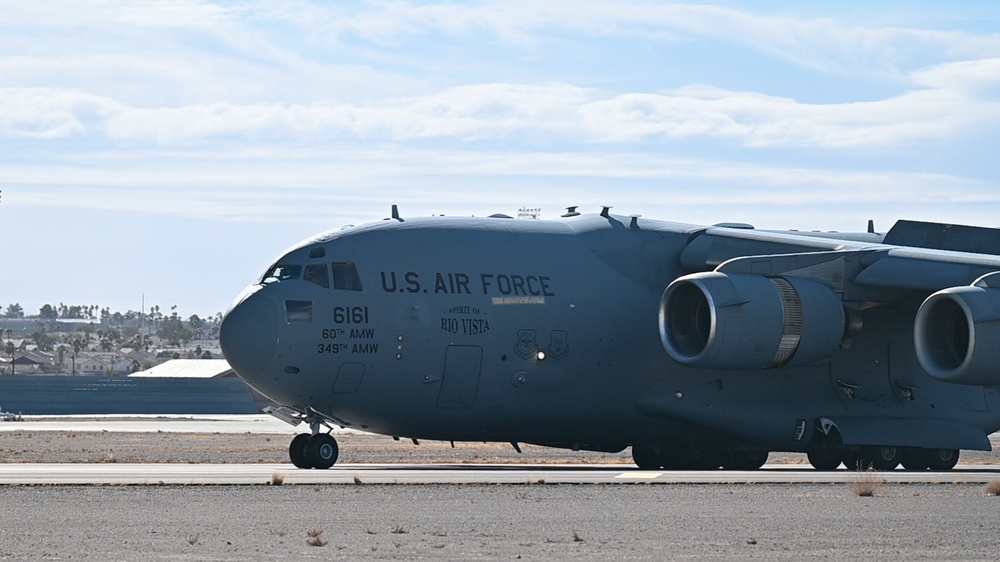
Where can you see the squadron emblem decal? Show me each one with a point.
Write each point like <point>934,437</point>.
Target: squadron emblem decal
<point>526,345</point>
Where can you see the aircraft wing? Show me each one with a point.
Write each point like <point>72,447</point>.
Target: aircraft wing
<point>923,269</point>
<point>770,299</point>
<point>896,262</point>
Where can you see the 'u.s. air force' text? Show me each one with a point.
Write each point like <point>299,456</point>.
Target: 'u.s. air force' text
<point>506,284</point>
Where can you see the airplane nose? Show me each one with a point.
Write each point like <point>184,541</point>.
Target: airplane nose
<point>249,334</point>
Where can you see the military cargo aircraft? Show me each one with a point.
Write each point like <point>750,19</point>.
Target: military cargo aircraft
<point>700,347</point>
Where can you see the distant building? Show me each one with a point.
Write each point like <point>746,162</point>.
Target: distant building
<point>189,369</point>
<point>25,326</point>
<point>200,369</point>
<point>28,362</point>
<point>98,363</point>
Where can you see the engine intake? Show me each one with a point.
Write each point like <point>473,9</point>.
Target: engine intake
<point>720,321</point>
<point>957,333</point>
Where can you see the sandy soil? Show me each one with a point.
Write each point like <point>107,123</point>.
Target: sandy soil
<point>86,447</point>
<point>488,522</point>
<point>166,447</point>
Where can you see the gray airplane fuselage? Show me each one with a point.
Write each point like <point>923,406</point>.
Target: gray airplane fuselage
<point>551,332</point>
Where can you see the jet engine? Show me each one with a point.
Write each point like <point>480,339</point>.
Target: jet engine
<point>740,321</point>
<point>957,333</point>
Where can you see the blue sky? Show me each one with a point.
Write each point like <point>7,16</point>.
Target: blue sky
<point>172,150</point>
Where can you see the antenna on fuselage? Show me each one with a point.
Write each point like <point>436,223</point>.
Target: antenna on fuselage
<point>395,213</point>
<point>871,226</point>
<point>605,209</point>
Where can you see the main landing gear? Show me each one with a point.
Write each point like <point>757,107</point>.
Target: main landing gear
<point>313,450</point>
<point>827,457</point>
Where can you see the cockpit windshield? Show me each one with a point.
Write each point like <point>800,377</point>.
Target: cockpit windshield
<point>345,275</point>
<point>282,272</point>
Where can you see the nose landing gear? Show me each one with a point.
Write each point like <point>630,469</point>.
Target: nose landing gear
<point>315,450</point>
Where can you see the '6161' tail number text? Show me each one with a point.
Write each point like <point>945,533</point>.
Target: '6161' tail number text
<point>350,314</point>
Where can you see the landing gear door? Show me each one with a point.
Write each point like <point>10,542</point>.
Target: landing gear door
<point>460,382</point>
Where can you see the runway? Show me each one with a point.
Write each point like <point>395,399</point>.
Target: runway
<point>192,457</point>
<point>263,474</point>
<point>175,499</point>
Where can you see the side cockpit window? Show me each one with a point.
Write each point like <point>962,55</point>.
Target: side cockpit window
<point>345,276</point>
<point>281,272</point>
<point>298,311</point>
<point>319,274</point>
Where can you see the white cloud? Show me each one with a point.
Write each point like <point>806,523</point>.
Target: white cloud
<point>178,53</point>
<point>827,43</point>
<point>947,101</point>
<point>298,185</point>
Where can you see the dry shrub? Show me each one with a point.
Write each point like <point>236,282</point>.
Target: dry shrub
<point>865,484</point>
<point>992,488</point>
<point>277,478</point>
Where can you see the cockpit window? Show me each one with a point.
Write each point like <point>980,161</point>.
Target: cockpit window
<point>345,276</point>
<point>282,272</point>
<point>298,311</point>
<point>319,274</point>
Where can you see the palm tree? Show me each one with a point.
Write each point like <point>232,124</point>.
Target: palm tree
<point>62,349</point>
<point>10,349</point>
<point>77,346</point>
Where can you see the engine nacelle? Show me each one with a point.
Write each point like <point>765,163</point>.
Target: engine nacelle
<point>957,334</point>
<point>719,321</point>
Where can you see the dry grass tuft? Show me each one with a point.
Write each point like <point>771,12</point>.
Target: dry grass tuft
<point>193,539</point>
<point>277,478</point>
<point>315,538</point>
<point>357,479</point>
<point>992,489</point>
<point>865,484</point>
<point>578,538</point>
<point>399,530</point>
